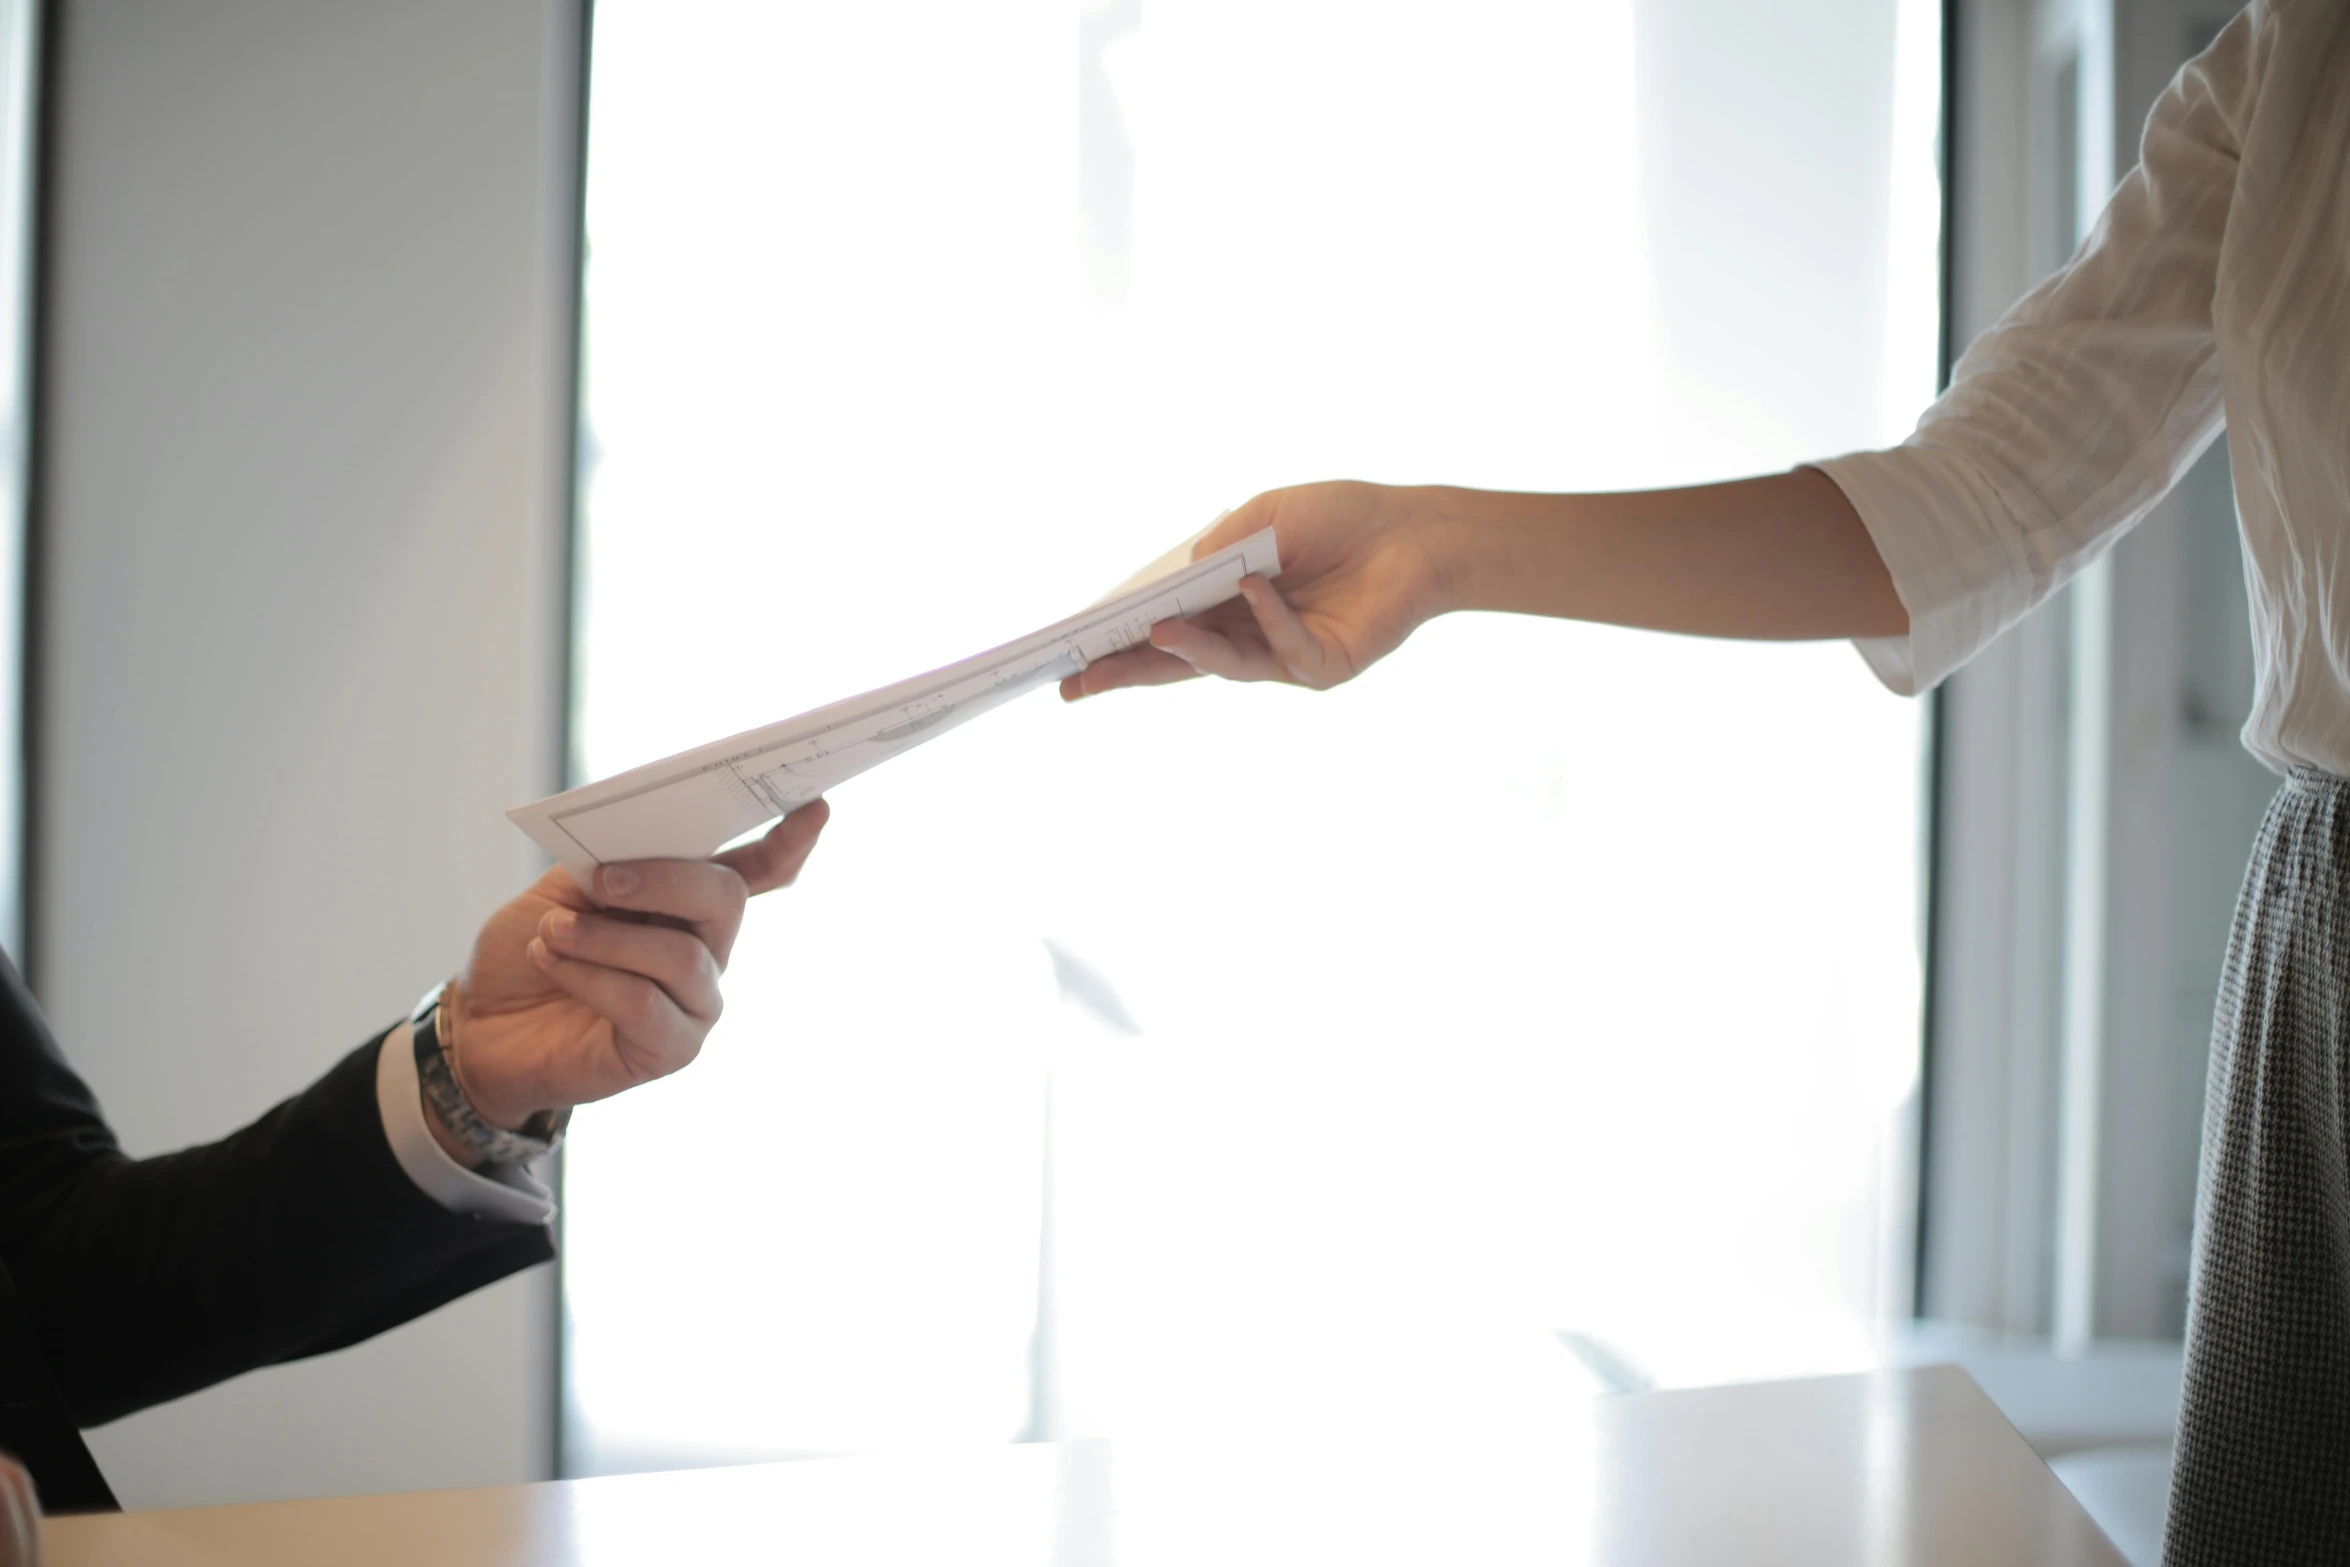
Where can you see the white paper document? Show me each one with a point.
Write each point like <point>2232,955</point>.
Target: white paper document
<point>688,805</point>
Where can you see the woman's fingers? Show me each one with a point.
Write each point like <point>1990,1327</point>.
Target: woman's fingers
<point>1266,640</point>
<point>1253,515</point>
<point>652,1033</point>
<point>1137,666</point>
<point>1237,654</point>
<point>674,959</point>
<point>776,859</point>
<point>1301,653</point>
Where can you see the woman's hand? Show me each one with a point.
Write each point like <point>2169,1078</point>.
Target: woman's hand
<point>1784,556</point>
<point>569,998</point>
<point>1359,573</point>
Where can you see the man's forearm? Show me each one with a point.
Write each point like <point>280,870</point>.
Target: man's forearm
<point>1777,558</point>
<point>300,1233</point>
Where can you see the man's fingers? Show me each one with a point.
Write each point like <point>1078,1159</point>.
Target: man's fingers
<point>20,1516</point>
<point>775,860</point>
<point>653,1034</point>
<point>1297,648</point>
<point>707,896</point>
<point>1137,666</point>
<point>674,959</point>
<point>702,894</point>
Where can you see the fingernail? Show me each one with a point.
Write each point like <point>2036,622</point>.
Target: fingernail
<point>619,881</point>
<point>538,952</point>
<point>562,924</point>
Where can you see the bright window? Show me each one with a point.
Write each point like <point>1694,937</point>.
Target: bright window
<point>1551,979</point>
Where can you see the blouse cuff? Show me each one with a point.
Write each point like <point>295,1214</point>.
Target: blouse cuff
<point>1948,543</point>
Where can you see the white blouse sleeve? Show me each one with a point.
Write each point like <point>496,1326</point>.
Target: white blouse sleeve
<point>2070,418</point>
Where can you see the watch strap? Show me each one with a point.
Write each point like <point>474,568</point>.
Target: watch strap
<point>436,1075</point>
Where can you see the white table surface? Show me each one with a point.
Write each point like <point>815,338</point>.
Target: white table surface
<point>1887,1469</point>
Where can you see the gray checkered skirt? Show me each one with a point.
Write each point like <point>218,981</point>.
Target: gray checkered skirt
<point>2263,1467</point>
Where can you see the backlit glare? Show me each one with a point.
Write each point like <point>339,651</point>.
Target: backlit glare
<point>1548,978</point>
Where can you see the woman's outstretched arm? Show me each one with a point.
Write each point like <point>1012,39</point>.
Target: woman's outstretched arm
<point>2063,425</point>
<point>1784,557</point>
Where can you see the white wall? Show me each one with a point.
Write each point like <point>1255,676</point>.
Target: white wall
<point>305,430</point>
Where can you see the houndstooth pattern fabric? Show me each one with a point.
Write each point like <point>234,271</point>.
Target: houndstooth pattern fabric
<point>2263,1468</point>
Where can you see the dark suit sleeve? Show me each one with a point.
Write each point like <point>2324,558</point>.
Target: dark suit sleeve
<point>150,1278</point>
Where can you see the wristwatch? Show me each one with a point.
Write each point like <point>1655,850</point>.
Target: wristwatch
<point>436,1074</point>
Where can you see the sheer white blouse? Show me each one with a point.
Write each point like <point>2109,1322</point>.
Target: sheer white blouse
<point>2212,289</point>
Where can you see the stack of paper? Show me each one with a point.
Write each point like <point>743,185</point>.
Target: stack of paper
<point>687,805</point>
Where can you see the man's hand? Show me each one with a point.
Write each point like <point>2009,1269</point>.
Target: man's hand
<point>569,998</point>
<point>1359,573</point>
<point>20,1516</point>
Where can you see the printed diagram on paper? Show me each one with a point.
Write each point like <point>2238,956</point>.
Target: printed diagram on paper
<point>688,805</point>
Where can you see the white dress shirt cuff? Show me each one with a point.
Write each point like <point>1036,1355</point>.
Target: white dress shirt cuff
<point>507,1192</point>
<point>1959,562</point>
